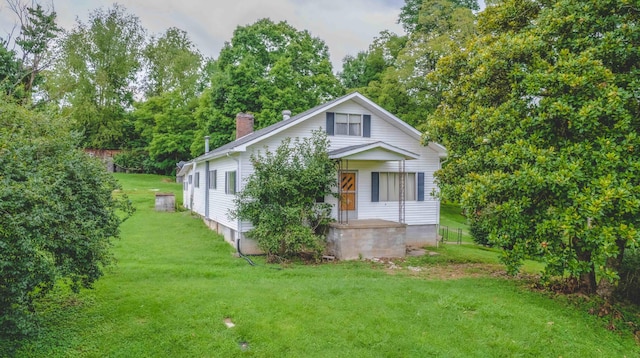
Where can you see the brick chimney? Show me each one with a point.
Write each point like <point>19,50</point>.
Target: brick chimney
<point>244,124</point>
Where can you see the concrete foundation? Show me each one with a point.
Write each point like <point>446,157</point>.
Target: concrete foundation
<point>421,235</point>
<point>367,239</point>
<point>247,246</point>
<point>357,239</point>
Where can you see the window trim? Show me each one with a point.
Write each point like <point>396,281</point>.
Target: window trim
<point>418,185</point>
<point>365,124</point>
<point>213,179</point>
<point>227,182</point>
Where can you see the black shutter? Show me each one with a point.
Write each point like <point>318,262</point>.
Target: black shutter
<point>366,125</point>
<point>375,187</point>
<point>330,123</point>
<point>421,186</point>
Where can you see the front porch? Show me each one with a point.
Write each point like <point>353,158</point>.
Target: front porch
<point>367,239</point>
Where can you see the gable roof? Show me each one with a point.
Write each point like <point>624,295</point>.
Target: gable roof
<point>242,143</point>
<point>361,151</point>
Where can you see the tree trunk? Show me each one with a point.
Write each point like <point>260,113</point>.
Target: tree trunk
<point>606,288</point>
<point>587,280</point>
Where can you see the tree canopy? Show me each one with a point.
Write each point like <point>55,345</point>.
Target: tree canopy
<point>96,72</point>
<point>266,68</point>
<point>393,70</point>
<point>540,115</point>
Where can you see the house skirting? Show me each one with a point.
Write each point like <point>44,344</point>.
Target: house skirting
<point>367,239</point>
<point>247,246</point>
<point>422,235</point>
<point>357,239</point>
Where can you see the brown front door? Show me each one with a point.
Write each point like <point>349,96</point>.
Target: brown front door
<point>348,191</point>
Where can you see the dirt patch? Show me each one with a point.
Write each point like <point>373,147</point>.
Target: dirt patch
<point>454,271</point>
<point>450,271</point>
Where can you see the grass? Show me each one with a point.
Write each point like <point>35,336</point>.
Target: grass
<point>176,282</point>
<point>451,217</point>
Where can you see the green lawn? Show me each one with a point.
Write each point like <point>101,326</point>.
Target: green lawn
<point>176,282</point>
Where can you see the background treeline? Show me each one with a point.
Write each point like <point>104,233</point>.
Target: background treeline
<point>156,96</point>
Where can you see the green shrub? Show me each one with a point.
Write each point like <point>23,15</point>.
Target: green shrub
<point>58,214</point>
<point>280,197</point>
<point>478,231</point>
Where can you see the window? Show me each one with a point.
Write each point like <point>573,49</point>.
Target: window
<point>213,179</point>
<point>185,185</point>
<point>197,180</point>
<point>190,179</point>
<point>230,182</point>
<point>346,124</point>
<point>386,186</point>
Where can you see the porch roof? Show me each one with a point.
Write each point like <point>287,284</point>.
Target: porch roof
<point>373,151</point>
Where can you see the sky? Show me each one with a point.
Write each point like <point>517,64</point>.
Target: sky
<point>346,26</point>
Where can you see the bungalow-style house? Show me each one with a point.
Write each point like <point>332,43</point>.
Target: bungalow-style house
<point>385,178</point>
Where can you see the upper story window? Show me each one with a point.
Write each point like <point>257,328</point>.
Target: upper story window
<point>348,124</point>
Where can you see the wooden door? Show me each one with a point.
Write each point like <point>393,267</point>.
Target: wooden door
<point>348,191</point>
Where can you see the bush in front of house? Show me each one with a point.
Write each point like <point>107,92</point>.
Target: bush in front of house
<point>282,197</point>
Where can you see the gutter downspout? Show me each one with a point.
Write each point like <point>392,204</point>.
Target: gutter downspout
<point>206,190</point>
<point>193,172</point>
<point>238,176</point>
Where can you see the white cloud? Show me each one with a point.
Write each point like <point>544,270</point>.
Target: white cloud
<point>346,26</point>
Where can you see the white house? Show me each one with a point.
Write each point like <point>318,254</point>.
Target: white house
<point>385,178</point>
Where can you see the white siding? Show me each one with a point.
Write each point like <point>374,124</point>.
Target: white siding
<point>416,213</point>
<point>219,202</point>
<point>199,192</point>
<point>424,212</point>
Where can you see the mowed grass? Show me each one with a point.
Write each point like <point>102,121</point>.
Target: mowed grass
<point>176,282</point>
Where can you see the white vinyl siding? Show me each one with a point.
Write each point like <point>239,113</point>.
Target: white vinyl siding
<point>416,212</point>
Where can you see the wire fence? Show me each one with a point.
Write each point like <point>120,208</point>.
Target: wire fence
<point>450,235</point>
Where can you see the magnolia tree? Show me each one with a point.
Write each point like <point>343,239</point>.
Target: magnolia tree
<point>541,116</point>
<point>281,198</point>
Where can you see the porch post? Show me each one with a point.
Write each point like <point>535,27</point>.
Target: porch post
<point>340,191</point>
<point>402,196</point>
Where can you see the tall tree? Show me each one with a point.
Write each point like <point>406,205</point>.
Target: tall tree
<point>434,29</point>
<point>266,68</point>
<point>541,120</point>
<point>96,74</point>
<point>164,119</point>
<point>9,69</point>
<point>173,64</point>
<point>412,14</point>
<point>38,30</point>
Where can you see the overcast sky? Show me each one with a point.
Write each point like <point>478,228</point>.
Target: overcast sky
<point>346,26</point>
